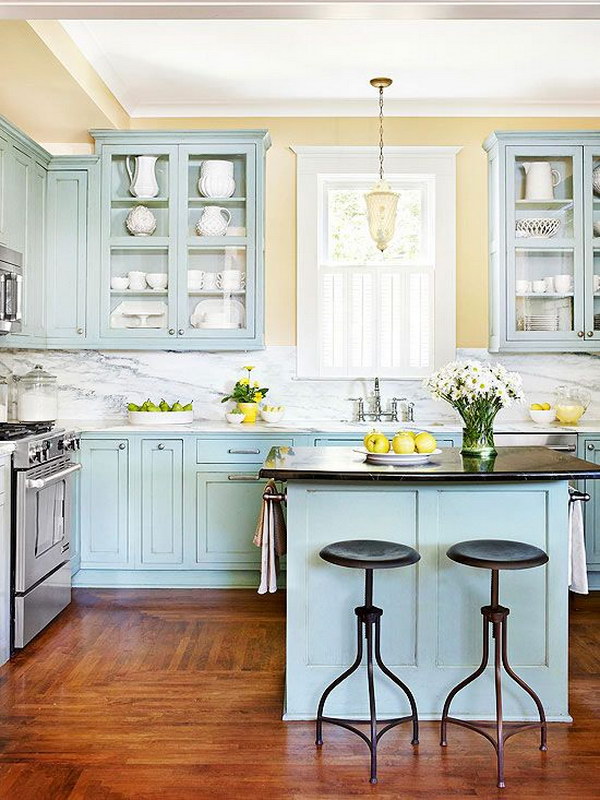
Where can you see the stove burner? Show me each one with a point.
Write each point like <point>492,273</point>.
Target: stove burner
<point>19,430</point>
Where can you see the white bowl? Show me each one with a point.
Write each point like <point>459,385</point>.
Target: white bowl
<point>118,283</point>
<point>543,417</point>
<point>157,280</point>
<point>161,417</point>
<point>271,417</point>
<point>234,419</point>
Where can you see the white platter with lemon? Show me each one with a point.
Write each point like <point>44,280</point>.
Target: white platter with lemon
<point>407,448</point>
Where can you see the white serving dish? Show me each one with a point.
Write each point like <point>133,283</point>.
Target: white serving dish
<point>161,417</point>
<point>234,419</point>
<point>271,417</point>
<point>543,416</point>
<point>397,459</point>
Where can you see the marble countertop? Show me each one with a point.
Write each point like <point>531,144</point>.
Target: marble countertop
<point>121,425</point>
<point>344,464</point>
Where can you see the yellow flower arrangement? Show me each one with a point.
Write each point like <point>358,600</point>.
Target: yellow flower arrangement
<point>244,392</point>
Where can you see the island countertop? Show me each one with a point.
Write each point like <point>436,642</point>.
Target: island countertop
<point>345,464</point>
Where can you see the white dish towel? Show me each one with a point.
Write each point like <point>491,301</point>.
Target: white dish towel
<point>270,536</point>
<point>578,579</point>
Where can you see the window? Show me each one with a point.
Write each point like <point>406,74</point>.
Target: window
<point>363,313</point>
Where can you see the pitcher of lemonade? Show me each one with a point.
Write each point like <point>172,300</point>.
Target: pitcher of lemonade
<point>571,404</point>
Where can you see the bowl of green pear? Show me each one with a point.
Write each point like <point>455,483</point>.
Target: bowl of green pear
<point>149,413</point>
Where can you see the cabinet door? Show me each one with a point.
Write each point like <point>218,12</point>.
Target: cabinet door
<point>104,521</point>
<point>5,563</point>
<point>67,254</point>
<point>162,502</point>
<point>544,246</point>
<point>227,507</point>
<point>5,155</point>
<point>591,199</point>
<point>592,508</point>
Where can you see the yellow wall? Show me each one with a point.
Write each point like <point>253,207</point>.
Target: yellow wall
<point>465,132</point>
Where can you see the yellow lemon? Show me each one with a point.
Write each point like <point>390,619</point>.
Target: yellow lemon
<point>536,407</point>
<point>403,444</point>
<point>425,443</point>
<point>545,406</point>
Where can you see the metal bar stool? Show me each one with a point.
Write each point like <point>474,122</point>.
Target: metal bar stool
<point>369,555</point>
<point>495,555</point>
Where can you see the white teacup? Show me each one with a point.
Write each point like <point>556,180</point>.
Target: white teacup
<point>563,283</point>
<point>210,282</point>
<point>549,282</point>
<point>539,287</point>
<point>195,279</point>
<point>230,280</point>
<point>137,281</point>
<point>523,287</point>
<point>596,283</point>
<point>157,280</point>
<point>119,282</point>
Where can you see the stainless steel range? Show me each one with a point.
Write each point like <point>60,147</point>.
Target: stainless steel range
<point>43,471</point>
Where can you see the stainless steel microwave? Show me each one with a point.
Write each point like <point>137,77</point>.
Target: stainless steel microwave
<point>11,290</point>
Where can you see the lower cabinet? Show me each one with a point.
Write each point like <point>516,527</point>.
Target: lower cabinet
<point>5,493</point>
<point>226,511</point>
<point>161,502</point>
<point>104,504</point>
<point>591,452</point>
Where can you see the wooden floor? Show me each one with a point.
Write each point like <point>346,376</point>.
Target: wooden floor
<point>177,695</point>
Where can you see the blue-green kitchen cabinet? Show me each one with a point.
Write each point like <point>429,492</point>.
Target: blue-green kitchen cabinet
<point>104,520</point>
<point>161,503</point>
<point>589,449</point>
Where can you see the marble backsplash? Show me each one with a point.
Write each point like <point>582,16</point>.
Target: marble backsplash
<point>98,384</point>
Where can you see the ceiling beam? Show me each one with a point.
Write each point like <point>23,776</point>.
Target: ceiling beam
<point>293,9</point>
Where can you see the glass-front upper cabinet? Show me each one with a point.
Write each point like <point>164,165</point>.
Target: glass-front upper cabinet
<point>182,239</point>
<point>544,253</point>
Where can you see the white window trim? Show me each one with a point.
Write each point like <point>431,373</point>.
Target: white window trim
<point>314,161</point>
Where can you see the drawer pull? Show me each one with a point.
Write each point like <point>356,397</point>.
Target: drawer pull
<point>591,447</point>
<point>161,446</point>
<point>122,446</point>
<point>243,477</point>
<point>234,452</point>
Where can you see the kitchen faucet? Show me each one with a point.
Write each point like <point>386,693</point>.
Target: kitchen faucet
<point>377,414</point>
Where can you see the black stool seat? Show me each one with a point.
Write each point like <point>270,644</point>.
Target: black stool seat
<point>369,554</point>
<point>497,554</point>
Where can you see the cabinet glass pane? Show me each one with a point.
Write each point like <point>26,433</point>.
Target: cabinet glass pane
<point>216,288</point>
<point>544,297</point>
<point>543,197</point>
<point>133,302</point>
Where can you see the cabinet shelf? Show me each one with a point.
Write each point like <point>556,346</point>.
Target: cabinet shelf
<point>140,242</point>
<point>544,244</point>
<point>220,242</point>
<point>140,201</point>
<point>194,201</point>
<point>544,205</point>
<point>216,293</point>
<point>546,295</point>
<point>144,292</point>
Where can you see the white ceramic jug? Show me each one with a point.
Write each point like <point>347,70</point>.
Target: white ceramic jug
<point>216,178</point>
<point>540,180</point>
<point>213,221</point>
<point>142,177</point>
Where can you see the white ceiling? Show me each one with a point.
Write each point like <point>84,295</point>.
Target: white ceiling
<point>322,67</point>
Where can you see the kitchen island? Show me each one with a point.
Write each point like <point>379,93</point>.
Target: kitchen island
<point>431,628</point>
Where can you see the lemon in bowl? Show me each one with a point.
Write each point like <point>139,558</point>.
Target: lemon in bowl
<point>542,413</point>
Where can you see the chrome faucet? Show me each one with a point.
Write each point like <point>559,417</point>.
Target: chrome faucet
<point>377,414</point>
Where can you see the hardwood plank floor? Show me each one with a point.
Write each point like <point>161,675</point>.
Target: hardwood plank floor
<point>177,695</point>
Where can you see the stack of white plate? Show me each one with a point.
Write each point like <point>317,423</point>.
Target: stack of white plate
<point>541,322</point>
<point>597,322</point>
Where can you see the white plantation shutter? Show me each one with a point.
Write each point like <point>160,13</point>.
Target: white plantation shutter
<point>391,315</point>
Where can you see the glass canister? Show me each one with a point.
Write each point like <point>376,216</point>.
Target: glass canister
<point>37,396</point>
<point>571,404</point>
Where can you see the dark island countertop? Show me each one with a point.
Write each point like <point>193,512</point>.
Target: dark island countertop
<point>345,464</point>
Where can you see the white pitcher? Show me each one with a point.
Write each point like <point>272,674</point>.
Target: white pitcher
<point>540,180</point>
<point>213,221</point>
<point>142,177</point>
<point>216,178</point>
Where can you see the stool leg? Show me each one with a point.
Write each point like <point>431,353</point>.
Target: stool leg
<point>497,628</point>
<point>372,705</point>
<point>512,674</point>
<point>479,671</point>
<point>398,682</point>
<point>337,681</point>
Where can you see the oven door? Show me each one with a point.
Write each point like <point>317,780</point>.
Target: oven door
<point>43,507</point>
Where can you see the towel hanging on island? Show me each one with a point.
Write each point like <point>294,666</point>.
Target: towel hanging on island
<point>271,537</point>
<point>578,579</point>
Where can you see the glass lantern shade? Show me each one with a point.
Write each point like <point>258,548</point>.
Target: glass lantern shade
<point>382,203</point>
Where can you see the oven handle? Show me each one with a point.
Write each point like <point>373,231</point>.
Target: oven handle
<point>41,483</point>
<point>565,448</point>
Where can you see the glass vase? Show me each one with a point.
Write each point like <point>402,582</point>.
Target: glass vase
<point>478,437</point>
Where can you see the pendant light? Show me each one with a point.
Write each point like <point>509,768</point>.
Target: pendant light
<point>382,202</point>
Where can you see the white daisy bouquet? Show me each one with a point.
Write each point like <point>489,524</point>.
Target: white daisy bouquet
<point>478,391</point>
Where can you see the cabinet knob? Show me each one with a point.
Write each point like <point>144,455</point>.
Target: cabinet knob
<point>161,446</point>
<point>590,334</point>
<point>181,331</point>
<point>581,334</point>
<point>80,331</point>
<point>122,446</point>
<point>171,331</point>
<point>591,447</point>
